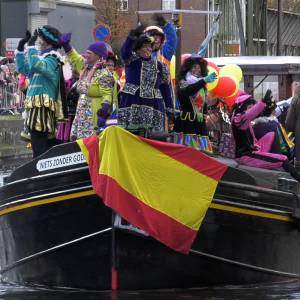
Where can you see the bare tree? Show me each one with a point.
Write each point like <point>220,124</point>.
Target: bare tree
<point>109,13</point>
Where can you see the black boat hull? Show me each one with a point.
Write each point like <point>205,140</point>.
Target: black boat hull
<point>55,231</point>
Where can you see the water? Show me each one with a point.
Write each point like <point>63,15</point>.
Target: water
<point>283,291</point>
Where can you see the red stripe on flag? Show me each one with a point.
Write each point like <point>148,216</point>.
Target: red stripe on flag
<point>160,226</point>
<point>190,157</point>
<point>155,223</point>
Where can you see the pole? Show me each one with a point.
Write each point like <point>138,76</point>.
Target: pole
<point>279,26</point>
<point>240,26</point>
<point>177,11</point>
<point>1,27</point>
<point>178,49</point>
<point>138,8</point>
<point>250,27</point>
<point>114,270</point>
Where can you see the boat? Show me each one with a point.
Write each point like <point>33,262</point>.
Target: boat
<point>56,232</point>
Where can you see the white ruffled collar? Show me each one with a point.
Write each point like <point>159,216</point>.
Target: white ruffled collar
<point>52,52</point>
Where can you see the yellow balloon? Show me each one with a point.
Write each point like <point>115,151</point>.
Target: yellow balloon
<point>212,85</point>
<point>232,70</point>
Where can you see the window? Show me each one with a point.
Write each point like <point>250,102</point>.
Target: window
<point>168,4</point>
<point>123,5</point>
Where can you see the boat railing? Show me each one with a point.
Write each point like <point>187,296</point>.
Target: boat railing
<point>258,189</point>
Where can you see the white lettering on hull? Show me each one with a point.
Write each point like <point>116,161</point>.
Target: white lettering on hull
<point>60,161</point>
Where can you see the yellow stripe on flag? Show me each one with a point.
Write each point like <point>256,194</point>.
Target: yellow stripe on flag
<point>84,150</point>
<point>156,179</point>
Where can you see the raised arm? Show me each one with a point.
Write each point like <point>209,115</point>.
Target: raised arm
<point>76,60</point>
<point>191,89</point>
<point>169,47</point>
<point>45,66</point>
<point>21,63</point>
<point>127,48</point>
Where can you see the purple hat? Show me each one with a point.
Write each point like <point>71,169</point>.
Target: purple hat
<point>243,96</point>
<point>99,48</point>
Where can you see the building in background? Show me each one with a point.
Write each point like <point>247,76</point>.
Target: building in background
<point>290,32</point>
<point>250,27</point>
<point>194,27</point>
<point>77,16</point>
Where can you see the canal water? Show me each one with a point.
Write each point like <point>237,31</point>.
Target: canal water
<point>282,291</point>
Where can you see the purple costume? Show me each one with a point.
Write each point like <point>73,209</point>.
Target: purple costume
<point>146,96</point>
<point>250,151</point>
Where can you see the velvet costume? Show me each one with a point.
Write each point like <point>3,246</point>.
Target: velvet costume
<point>191,120</point>
<point>146,96</point>
<point>268,125</point>
<point>42,101</point>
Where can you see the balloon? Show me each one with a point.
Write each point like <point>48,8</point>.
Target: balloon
<point>212,85</point>
<point>232,70</point>
<point>214,66</point>
<point>184,57</point>
<point>226,86</point>
<point>231,100</point>
<point>236,91</point>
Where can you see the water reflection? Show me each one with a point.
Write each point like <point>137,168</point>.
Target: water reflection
<point>288,290</point>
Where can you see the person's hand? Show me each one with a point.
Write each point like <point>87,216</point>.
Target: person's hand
<point>104,111</point>
<point>33,38</point>
<point>101,122</point>
<point>267,97</point>
<point>159,20</point>
<point>99,63</point>
<point>135,33</point>
<point>171,121</point>
<point>64,41</point>
<point>211,77</point>
<point>23,41</point>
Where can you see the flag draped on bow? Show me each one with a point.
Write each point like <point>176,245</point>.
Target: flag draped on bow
<point>164,189</point>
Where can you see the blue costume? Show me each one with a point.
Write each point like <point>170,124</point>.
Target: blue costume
<point>146,96</point>
<point>168,49</point>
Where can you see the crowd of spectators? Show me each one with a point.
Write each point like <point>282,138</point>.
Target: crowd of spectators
<point>11,98</point>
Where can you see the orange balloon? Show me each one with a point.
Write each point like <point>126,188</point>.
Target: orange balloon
<point>235,92</point>
<point>226,86</point>
<point>231,99</point>
<point>230,102</point>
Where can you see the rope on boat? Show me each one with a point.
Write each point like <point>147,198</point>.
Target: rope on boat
<point>249,266</point>
<point>52,249</point>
